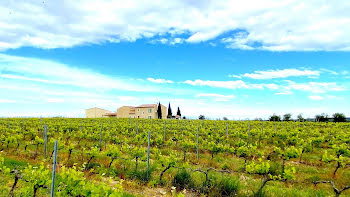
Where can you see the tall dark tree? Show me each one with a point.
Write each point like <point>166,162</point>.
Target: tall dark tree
<point>170,114</point>
<point>159,111</point>
<point>178,111</point>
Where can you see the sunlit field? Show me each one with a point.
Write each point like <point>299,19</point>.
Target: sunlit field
<point>109,157</point>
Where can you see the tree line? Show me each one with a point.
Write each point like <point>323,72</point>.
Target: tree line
<point>337,117</point>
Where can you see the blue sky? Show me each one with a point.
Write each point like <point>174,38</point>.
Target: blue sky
<point>233,59</point>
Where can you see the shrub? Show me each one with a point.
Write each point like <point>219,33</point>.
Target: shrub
<point>182,179</point>
<point>293,152</point>
<point>275,168</point>
<point>142,175</point>
<point>260,168</point>
<point>289,173</point>
<point>221,185</point>
<point>317,141</point>
<point>228,186</point>
<point>243,151</point>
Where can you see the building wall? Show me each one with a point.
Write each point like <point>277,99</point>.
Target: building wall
<point>124,112</point>
<point>164,111</point>
<point>96,113</point>
<point>141,112</point>
<point>145,113</point>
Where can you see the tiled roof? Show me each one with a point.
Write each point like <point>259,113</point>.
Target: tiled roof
<point>147,106</point>
<point>97,108</point>
<point>110,114</point>
<point>132,107</point>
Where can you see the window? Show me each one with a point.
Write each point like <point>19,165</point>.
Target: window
<point>138,109</point>
<point>149,110</point>
<point>149,117</point>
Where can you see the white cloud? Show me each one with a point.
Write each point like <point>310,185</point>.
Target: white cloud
<point>316,97</point>
<point>217,97</point>
<point>176,41</point>
<point>159,80</point>
<point>315,87</point>
<point>128,98</point>
<point>345,72</point>
<point>276,25</point>
<point>49,72</point>
<point>7,101</point>
<point>78,113</point>
<point>218,84</point>
<point>285,73</point>
<point>238,84</point>
<point>238,41</point>
<point>214,95</point>
<point>235,76</point>
<point>203,36</point>
<point>332,72</point>
<point>284,93</point>
<point>55,100</point>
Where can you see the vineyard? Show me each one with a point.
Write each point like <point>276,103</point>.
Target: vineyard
<point>134,157</point>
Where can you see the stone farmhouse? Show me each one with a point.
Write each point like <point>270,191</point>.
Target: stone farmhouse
<point>145,111</point>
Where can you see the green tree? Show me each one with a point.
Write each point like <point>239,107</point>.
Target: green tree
<point>301,118</point>
<point>321,118</point>
<point>287,117</point>
<point>275,117</point>
<point>339,117</point>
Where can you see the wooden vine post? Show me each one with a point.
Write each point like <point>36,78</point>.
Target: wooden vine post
<point>227,130</point>
<point>164,131</point>
<point>197,144</point>
<point>101,137</point>
<point>261,133</point>
<point>248,132</point>
<point>54,170</point>
<point>148,150</point>
<point>137,127</point>
<point>45,140</point>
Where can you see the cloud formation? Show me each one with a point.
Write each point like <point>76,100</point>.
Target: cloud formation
<point>316,97</point>
<point>159,80</point>
<point>315,87</point>
<point>275,25</point>
<point>284,73</point>
<point>238,84</point>
<point>217,97</point>
<point>50,72</point>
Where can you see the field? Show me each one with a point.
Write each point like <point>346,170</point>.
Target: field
<point>109,157</point>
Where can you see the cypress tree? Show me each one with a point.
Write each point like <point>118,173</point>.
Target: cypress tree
<point>178,111</point>
<point>159,111</point>
<point>170,114</point>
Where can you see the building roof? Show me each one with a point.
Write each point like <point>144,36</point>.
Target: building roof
<point>110,114</point>
<point>97,108</point>
<point>132,107</point>
<point>147,106</point>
